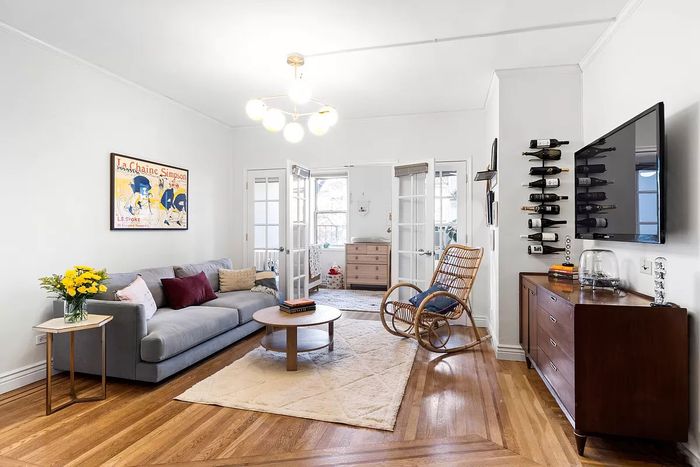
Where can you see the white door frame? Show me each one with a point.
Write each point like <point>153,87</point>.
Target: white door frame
<point>292,249</point>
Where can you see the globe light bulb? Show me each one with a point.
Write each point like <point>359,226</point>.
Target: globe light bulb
<point>255,109</point>
<point>299,92</point>
<point>330,114</point>
<point>293,132</point>
<point>274,120</point>
<point>318,124</point>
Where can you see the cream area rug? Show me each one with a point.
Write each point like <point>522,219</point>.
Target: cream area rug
<point>361,382</point>
<point>351,300</point>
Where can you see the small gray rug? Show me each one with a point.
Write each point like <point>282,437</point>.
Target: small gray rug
<point>350,300</point>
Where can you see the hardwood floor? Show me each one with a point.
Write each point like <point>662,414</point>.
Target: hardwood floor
<point>463,409</point>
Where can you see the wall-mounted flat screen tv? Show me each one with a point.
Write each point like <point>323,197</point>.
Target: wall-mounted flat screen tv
<point>620,182</point>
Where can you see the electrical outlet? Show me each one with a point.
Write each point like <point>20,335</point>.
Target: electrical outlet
<point>40,339</point>
<point>645,266</point>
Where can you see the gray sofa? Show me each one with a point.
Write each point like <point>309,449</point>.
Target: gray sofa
<point>172,340</point>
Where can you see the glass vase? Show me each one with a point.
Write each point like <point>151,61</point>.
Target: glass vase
<point>75,311</point>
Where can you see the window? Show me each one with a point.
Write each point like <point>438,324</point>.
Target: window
<point>445,209</point>
<point>331,209</point>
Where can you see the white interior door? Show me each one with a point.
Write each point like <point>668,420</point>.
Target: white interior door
<point>298,191</point>
<point>413,224</point>
<point>451,207</point>
<point>266,221</point>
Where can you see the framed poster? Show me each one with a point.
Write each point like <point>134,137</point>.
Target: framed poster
<point>147,195</point>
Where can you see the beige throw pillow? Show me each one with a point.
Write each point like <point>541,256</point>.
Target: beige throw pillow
<point>236,279</point>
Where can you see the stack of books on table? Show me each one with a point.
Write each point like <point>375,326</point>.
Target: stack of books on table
<point>298,305</point>
<point>563,271</point>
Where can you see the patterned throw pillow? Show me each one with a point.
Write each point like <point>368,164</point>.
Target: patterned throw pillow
<point>236,279</point>
<point>137,292</point>
<point>266,282</point>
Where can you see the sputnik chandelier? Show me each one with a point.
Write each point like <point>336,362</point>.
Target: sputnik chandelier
<point>274,118</point>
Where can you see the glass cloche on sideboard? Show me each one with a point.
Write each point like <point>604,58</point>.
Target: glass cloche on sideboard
<point>599,269</point>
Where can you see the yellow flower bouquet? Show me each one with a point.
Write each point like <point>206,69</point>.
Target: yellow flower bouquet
<point>74,288</point>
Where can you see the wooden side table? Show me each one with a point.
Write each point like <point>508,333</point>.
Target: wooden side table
<point>58,326</point>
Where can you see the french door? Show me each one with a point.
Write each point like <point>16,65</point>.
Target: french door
<point>298,193</point>
<point>266,233</point>
<point>413,224</point>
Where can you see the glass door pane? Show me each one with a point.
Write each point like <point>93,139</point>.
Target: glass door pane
<point>412,226</point>
<point>298,228</point>
<point>264,236</point>
<point>450,205</point>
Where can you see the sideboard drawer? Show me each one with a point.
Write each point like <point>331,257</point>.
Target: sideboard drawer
<point>555,353</point>
<point>554,376</point>
<point>557,307</point>
<point>370,280</point>
<point>560,331</point>
<point>367,259</point>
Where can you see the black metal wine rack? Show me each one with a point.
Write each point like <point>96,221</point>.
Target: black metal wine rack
<point>542,190</point>
<point>582,159</point>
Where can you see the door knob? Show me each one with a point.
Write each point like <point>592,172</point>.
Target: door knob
<point>280,248</point>
<point>421,251</point>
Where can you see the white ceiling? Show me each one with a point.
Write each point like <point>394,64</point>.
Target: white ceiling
<point>213,55</point>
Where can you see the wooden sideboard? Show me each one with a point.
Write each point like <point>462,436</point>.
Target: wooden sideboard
<point>368,264</point>
<point>614,364</point>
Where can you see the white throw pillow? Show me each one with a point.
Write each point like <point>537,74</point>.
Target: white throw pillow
<point>137,292</point>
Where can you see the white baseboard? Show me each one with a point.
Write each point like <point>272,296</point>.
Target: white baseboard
<point>482,321</point>
<point>510,352</point>
<point>19,377</point>
<point>507,351</point>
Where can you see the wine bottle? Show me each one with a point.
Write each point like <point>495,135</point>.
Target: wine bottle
<point>591,181</point>
<point>591,196</point>
<point>543,222</point>
<point>543,250</point>
<point>543,209</point>
<point>594,222</point>
<point>593,151</point>
<point>590,169</point>
<point>544,183</point>
<point>546,143</point>
<point>542,237</point>
<point>545,197</point>
<point>545,154</point>
<point>547,170</point>
<point>588,208</point>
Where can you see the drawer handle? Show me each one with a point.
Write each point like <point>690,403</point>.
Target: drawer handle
<point>554,299</point>
<point>552,319</point>
<point>376,258</point>
<point>551,341</point>
<point>553,366</point>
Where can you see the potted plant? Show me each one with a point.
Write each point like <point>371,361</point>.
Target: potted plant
<point>74,288</point>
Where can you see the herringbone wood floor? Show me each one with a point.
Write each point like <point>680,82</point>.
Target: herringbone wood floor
<point>464,409</point>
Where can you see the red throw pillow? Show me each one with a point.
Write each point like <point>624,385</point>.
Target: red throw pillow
<point>181,292</point>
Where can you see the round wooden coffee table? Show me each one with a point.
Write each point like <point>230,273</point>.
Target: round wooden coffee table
<point>294,337</point>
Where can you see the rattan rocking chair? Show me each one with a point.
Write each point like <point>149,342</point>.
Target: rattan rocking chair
<point>456,272</point>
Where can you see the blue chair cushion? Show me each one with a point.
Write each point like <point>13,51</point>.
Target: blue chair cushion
<point>442,304</point>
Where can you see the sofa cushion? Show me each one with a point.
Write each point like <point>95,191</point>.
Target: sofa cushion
<point>209,268</point>
<point>152,277</point>
<point>116,281</point>
<point>245,301</point>
<point>231,280</point>
<point>171,332</point>
<point>137,292</point>
<point>181,292</point>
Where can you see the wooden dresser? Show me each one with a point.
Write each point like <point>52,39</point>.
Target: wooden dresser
<point>367,264</point>
<point>615,365</point>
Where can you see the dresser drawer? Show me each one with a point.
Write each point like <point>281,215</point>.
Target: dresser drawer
<point>367,259</point>
<point>358,249</point>
<point>556,355</point>
<point>377,249</point>
<point>554,377</point>
<point>557,329</point>
<point>357,279</point>
<point>367,269</point>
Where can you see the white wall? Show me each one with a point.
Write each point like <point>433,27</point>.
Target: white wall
<point>651,57</point>
<point>489,234</point>
<point>371,183</point>
<point>59,121</point>
<point>443,136</point>
<point>532,103</point>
